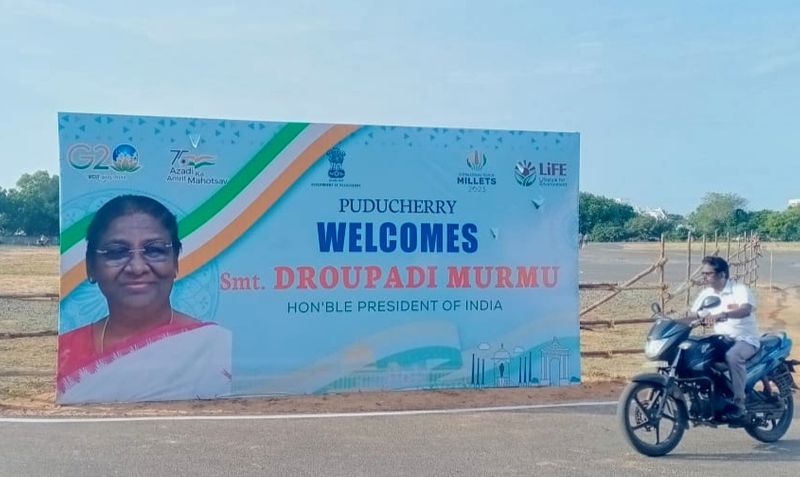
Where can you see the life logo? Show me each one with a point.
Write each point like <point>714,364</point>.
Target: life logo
<point>124,158</point>
<point>549,174</point>
<point>525,173</point>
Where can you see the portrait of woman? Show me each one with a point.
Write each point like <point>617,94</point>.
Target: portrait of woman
<point>144,349</point>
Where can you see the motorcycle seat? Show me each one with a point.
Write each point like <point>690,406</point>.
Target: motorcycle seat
<point>772,340</point>
<point>769,341</point>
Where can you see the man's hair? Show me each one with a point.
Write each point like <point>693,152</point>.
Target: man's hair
<point>718,263</point>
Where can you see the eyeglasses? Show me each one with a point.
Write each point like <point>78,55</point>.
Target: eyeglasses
<point>120,255</point>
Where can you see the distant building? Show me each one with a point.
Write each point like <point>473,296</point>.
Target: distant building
<point>794,202</point>
<point>657,213</point>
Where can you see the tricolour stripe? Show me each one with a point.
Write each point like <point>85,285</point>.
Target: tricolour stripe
<point>77,231</point>
<point>241,222</point>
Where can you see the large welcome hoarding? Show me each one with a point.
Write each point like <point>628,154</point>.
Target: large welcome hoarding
<point>313,258</point>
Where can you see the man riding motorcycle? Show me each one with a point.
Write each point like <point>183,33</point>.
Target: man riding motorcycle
<point>735,318</point>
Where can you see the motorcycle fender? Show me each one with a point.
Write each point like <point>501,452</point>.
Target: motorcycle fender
<point>654,378</point>
<point>661,380</point>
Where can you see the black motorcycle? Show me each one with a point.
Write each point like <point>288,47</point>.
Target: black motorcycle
<point>692,384</point>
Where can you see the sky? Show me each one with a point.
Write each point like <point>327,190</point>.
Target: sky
<point>672,99</point>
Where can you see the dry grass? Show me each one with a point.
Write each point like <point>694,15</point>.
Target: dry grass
<point>27,367</point>
<point>37,353</point>
<point>28,269</point>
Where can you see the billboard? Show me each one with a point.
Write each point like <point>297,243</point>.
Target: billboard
<point>205,258</point>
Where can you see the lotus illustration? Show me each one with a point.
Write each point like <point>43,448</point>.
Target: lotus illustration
<point>125,158</point>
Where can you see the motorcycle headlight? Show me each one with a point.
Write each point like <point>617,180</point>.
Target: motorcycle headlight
<point>653,348</point>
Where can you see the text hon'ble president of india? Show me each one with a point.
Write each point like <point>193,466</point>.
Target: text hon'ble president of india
<point>144,349</point>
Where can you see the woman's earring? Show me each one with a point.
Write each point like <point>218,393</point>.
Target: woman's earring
<point>92,280</point>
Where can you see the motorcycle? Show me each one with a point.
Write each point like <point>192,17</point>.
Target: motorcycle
<point>692,385</point>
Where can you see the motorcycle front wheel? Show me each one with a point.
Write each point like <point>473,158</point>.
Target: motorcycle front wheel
<point>647,430</point>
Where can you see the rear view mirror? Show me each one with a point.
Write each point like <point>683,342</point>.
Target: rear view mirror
<point>710,302</point>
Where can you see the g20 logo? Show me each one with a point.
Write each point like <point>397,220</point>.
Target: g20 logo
<point>124,157</point>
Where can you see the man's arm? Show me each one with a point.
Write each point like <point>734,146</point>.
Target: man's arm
<point>741,311</point>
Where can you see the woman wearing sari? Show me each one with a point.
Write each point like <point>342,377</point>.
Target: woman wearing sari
<point>144,349</point>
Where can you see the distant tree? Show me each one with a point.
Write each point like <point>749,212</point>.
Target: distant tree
<point>608,233</point>
<point>646,227</point>
<point>757,222</point>
<point>33,204</point>
<point>784,225</point>
<point>718,213</point>
<point>598,211</point>
<point>679,227</point>
<point>642,227</point>
<point>4,212</point>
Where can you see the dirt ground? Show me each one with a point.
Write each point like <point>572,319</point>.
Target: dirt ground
<point>28,389</point>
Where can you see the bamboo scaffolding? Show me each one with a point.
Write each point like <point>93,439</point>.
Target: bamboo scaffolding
<point>630,282</point>
<point>744,266</point>
<point>29,296</point>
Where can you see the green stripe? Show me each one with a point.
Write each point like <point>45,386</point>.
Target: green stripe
<point>238,182</point>
<point>77,231</point>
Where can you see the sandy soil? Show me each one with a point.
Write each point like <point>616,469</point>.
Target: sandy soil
<point>779,310</point>
<point>32,394</point>
<point>330,403</point>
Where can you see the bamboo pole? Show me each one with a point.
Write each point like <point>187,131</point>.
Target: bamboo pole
<point>771,265</point>
<point>27,334</point>
<point>747,264</point>
<point>705,247</point>
<point>616,286</point>
<point>689,262</point>
<point>610,353</point>
<point>716,242</point>
<point>728,255</point>
<point>630,282</point>
<point>610,323</point>
<point>662,262</point>
<point>29,296</point>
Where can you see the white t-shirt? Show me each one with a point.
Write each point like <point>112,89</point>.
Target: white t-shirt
<point>734,294</point>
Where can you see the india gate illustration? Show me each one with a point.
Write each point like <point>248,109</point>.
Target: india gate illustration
<point>555,364</point>
<point>513,370</point>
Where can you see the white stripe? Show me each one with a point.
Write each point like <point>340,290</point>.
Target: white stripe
<point>278,417</point>
<point>73,256</point>
<point>260,183</point>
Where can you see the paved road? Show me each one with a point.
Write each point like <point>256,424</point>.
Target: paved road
<point>578,441</point>
<point>614,262</point>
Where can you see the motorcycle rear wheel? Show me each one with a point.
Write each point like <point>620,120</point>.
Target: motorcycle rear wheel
<point>773,428</point>
<point>642,427</point>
